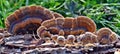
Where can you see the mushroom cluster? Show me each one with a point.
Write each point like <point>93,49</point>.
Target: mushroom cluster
<point>28,19</point>
<point>66,26</point>
<point>55,29</point>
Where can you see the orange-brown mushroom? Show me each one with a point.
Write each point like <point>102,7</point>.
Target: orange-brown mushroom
<point>28,19</point>
<point>70,39</point>
<point>61,40</point>
<point>106,36</point>
<point>69,26</point>
<point>42,32</point>
<point>85,24</point>
<point>87,38</point>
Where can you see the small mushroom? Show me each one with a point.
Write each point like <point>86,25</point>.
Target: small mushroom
<point>61,32</point>
<point>86,38</point>
<point>61,40</point>
<point>70,39</point>
<point>42,32</point>
<point>106,36</point>
<point>113,37</point>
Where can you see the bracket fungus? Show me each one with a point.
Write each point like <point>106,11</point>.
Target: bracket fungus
<point>28,19</point>
<point>106,36</point>
<point>70,39</point>
<point>86,38</point>
<point>51,30</point>
<point>67,26</point>
<point>61,40</point>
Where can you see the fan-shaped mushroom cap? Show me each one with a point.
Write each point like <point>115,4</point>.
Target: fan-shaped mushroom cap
<point>28,19</point>
<point>86,38</point>
<point>61,40</point>
<point>106,36</point>
<point>70,26</point>
<point>42,32</point>
<point>86,24</point>
<point>113,37</point>
<point>61,32</point>
<point>70,39</point>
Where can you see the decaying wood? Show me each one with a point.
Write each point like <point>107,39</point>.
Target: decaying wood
<point>16,44</point>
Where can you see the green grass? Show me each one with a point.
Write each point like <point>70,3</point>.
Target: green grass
<point>105,13</point>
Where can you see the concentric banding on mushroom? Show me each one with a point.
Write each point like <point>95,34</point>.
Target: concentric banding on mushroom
<point>34,15</point>
<point>113,37</point>
<point>42,32</point>
<point>73,26</point>
<point>86,38</point>
<point>51,26</point>
<point>106,36</point>
<point>58,26</point>
<point>84,24</point>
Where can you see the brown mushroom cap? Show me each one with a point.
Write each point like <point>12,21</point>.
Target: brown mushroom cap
<point>28,19</point>
<point>61,40</point>
<point>70,26</point>
<point>42,32</point>
<point>106,36</point>
<point>70,39</point>
<point>86,38</point>
<point>113,37</point>
<point>86,24</point>
<point>67,25</point>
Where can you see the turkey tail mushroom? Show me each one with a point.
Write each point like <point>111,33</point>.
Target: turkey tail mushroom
<point>70,39</point>
<point>86,24</point>
<point>113,37</point>
<point>61,40</point>
<point>51,27</point>
<point>82,24</point>
<point>42,32</point>
<point>106,36</point>
<point>87,38</point>
<point>70,26</point>
<point>28,19</point>
<point>67,25</point>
